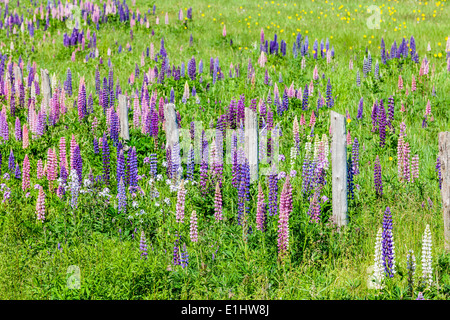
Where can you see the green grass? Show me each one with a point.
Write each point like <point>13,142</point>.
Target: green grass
<point>323,263</point>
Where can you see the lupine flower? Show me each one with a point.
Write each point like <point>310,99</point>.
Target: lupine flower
<point>40,205</point>
<point>427,270</point>
<point>184,261</point>
<point>181,198</point>
<point>377,177</point>
<point>378,272</point>
<point>400,82</point>
<point>121,195</point>
<point>193,227</point>
<point>74,186</point>
<point>143,246</point>
<point>218,203</point>
<point>261,210</point>
<point>360,109</point>
<point>420,296</point>
<point>388,257</point>
<point>314,208</point>
<point>11,161</point>
<point>132,170</point>
<point>120,172</point>
<point>382,123</point>
<point>438,170</point>
<point>39,170</point>
<point>283,221</point>
<point>25,139</point>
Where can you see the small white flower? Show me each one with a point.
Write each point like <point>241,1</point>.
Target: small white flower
<point>157,203</point>
<point>168,182</point>
<point>164,164</point>
<point>135,204</point>
<point>167,201</point>
<point>159,177</point>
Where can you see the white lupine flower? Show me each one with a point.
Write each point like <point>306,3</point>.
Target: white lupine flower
<point>427,270</point>
<point>378,269</point>
<point>294,154</point>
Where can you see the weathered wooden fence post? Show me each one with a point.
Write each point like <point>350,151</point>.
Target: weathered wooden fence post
<point>251,142</point>
<point>123,116</point>
<point>46,88</point>
<point>444,156</point>
<point>171,125</point>
<point>339,168</point>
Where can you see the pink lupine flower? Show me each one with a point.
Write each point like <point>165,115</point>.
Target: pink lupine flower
<point>73,144</point>
<point>349,138</point>
<point>283,221</point>
<point>25,137</point>
<point>428,108</point>
<point>193,228</point>
<point>415,168</point>
<point>224,31</point>
<point>302,120</point>
<point>180,203</point>
<point>312,120</point>
<point>166,20</point>
<point>52,166</point>
<point>40,205</point>
<point>400,82</point>
<point>413,84</point>
<point>40,169</point>
<point>315,74</point>
<point>261,210</point>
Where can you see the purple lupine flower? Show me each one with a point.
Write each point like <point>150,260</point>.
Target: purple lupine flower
<point>81,102</point>
<point>78,162</point>
<point>11,161</point>
<point>96,150</point>
<point>360,108</point>
<point>390,111</point>
<point>192,68</point>
<point>377,177</point>
<point>350,184</point>
<point>184,261</point>
<point>305,98</point>
<point>273,192</point>
<point>358,78</point>
<point>120,172</point>
<point>143,246</point>
<point>105,158</point>
<point>191,164</point>
<point>18,173</point>
<point>383,52</point>
<point>121,195</point>
<point>132,170</point>
<point>115,127</point>
<point>388,248</point>
<point>153,164</point>
<point>375,117</point>
<point>314,208</point>
<point>382,123</point>
<point>330,100</point>
<point>438,170</point>
<point>68,83</point>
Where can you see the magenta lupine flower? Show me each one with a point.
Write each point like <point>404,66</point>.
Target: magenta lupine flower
<point>52,165</point>
<point>377,177</point>
<point>261,210</point>
<point>428,108</point>
<point>40,205</point>
<point>218,203</point>
<point>26,174</point>
<point>181,198</point>
<point>193,228</point>
<point>39,170</point>
<point>62,152</point>
<point>25,137</point>
<point>283,221</point>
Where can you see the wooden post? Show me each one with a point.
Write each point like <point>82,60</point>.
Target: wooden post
<point>46,88</point>
<point>444,156</point>
<point>251,142</point>
<point>339,168</point>
<point>123,116</point>
<point>171,125</point>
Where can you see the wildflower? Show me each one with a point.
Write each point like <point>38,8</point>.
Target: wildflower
<point>283,221</point>
<point>143,246</point>
<point>427,270</point>
<point>193,227</point>
<point>388,257</point>
<point>180,203</point>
